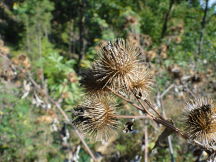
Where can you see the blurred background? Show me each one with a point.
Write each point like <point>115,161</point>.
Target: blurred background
<point>53,40</point>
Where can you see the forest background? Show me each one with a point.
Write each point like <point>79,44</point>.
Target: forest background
<point>54,40</point>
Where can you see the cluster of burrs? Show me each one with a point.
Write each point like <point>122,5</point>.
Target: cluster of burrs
<point>119,69</point>
<point>200,121</point>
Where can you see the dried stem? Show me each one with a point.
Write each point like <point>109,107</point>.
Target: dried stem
<point>132,116</point>
<point>162,121</point>
<point>152,107</point>
<point>127,100</point>
<point>171,149</point>
<point>148,103</point>
<point>140,102</point>
<point>168,124</point>
<point>150,116</point>
<point>166,91</point>
<point>160,104</point>
<point>146,142</point>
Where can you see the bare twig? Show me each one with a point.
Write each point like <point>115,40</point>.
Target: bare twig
<point>171,149</point>
<point>164,122</point>
<point>132,117</point>
<point>160,104</point>
<point>166,90</point>
<point>146,142</point>
<point>125,99</point>
<point>190,92</point>
<point>152,107</point>
<point>143,107</point>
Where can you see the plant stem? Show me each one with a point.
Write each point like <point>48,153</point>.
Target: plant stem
<point>146,141</point>
<point>131,117</point>
<point>150,116</point>
<point>152,107</point>
<point>125,99</point>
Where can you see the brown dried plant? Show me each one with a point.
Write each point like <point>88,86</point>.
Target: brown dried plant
<point>200,121</point>
<point>142,82</point>
<point>119,69</point>
<point>90,83</point>
<point>116,64</point>
<point>96,117</point>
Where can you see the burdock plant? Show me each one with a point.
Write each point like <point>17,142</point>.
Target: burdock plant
<point>119,71</point>
<point>96,117</point>
<point>117,64</point>
<point>200,121</point>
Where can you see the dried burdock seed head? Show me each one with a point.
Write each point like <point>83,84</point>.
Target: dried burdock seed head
<point>116,65</point>
<point>200,121</point>
<point>142,82</point>
<point>91,84</point>
<point>96,118</point>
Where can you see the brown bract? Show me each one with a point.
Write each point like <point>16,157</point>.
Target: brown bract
<point>200,121</point>
<point>91,84</point>
<point>142,82</point>
<point>96,118</point>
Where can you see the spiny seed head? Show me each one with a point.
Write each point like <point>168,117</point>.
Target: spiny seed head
<point>200,121</point>
<point>115,67</point>
<point>91,84</point>
<point>96,118</point>
<point>142,82</point>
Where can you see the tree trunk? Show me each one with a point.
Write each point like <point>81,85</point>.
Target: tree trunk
<point>81,32</point>
<point>202,30</point>
<point>164,29</point>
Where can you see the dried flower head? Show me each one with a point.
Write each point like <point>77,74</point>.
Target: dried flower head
<point>142,82</point>
<point>200,121</point>
<point>96,118</point>
<point>115,67</point>
<point>90,82</point>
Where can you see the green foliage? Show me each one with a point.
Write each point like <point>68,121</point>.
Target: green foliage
<point>21,138</point>
<point>84,157</point>
<point>36,18</point>
<point>57,71</point>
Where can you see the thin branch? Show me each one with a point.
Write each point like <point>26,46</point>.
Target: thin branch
<point>132,117</point>
<point>140,102</point>
<point>166,90</point>
<point>126,99</point>
<point>160,104</point>
<point>171,149</point>
<point>164,122</point>
<point>146,142</point>
<point>168,124</point>
<point>152,107</point>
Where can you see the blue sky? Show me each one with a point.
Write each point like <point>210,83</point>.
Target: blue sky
<point>211,2</point>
